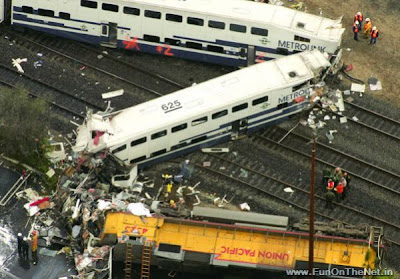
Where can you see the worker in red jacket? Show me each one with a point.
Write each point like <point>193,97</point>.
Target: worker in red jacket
<point>355,30</point>
<point>339,192</point>
<point>374,35</point>
<point>358,17</point>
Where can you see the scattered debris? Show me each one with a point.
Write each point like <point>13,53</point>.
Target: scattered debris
<point>355,118</point>
<point>244,206</point>
<point>343,119</point>
<point>17,63</point>
<point>374,84</point>
<point>288,190</point>
<point>356,87</point>
<point>215,150</point>
<point>113,94</point>
<point>207,164</point>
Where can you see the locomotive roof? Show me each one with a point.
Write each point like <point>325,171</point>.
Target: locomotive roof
<point>259,13</point>
<point>210,96</point>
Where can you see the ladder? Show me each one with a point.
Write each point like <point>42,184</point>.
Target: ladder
<point>146,260</point>
<point>377,239</point>
<point>128,260</point>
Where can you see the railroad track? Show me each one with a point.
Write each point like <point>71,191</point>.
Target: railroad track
<point>259,179</point>
<point>91,58</point>
<point>371,120</point>
<point>57,98</point>
<point>328,155</point>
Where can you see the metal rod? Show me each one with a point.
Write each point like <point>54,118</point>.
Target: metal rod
<point>312,194</point>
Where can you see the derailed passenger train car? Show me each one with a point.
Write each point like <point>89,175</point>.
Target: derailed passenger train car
<point>205,114</point>
<point>186,245</point>
<point>229,32</point>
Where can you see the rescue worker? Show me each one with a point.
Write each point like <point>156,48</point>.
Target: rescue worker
<point>344,183</point>
<point>25,248</point>
<point>330,185</point>
<point>339,191</point>
<point>329,199</point>
<point>337,174</point>
<point>348,179</point>
<point>172,204</point>
<point>326,175</point>
<point>34,245</point>
<point>374,35</point>
<point>367,27</point>
<point>20,239</point>
<point>355,30</point>
<point>358,17</point>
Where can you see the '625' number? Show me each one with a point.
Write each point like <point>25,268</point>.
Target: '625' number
<point>171,105</point>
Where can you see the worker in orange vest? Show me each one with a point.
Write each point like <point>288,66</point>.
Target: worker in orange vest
<point>355,30</point>
<point>374,35</point>
<point>367,27</point>
<point>34,246</point>
<point>359,17</point>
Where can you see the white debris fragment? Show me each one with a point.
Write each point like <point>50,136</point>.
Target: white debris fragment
<point>343,119</point>
<point>375,87</point>
<point>355,87</point>
<point>327,117</point>
<point>215,150</point>
<point>355,118</point>
<point>288,190</point>
<point>347,92</point>
<point>17,63</point>
<point>333,108</point>
<point>244,206</point>
<point>50,173</point>
<point>138,209</point>
<point>320,124</point>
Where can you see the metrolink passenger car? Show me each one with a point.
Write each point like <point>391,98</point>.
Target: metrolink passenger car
<point>230,32</point>
<point>205,114</point>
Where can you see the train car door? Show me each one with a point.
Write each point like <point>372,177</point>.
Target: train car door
<point>239,128</point>
<point>109,33</point>
<point>251,55</point>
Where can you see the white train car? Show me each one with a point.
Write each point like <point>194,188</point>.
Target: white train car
<point>229,32</point>
<point>205,114</point>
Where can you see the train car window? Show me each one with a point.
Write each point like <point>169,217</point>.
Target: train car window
<point>109,7</point>
<point>172,17</point>
<point>216,24</point>
<point>122,147</point>
<point>259,31</point>
<point>260,100</point>
<point>159,134</point>
<point>174,147</point>
<point>151,38</point>
<point>104,30</point>
<point>89,4</point>
<point>195,21</point>
<point>199,121</point>
<point>301,39</point>
<point>199,139</point>
<point>237,28</point>
<point>282,51</point>
<point>215,48</point>
<point>131,11</point>
<point>219,114</point>
<point>43,12</point>
<point>64,15</point>
<point>179,128</point>
<point>194,45</point>
<point>138,159</point>
<point>159,152</point>
<point>240,107</point>
<point>165,247</point>
<point>138,141</point>
<point>152,14</point>
<point>297,87</point>
<point>26,9</point>
<point>283,105</point>
<point>172,42</point>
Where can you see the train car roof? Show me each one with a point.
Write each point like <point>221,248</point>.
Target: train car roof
<point>239,216</point>
<point>283,17</point>
<point>206,97</point>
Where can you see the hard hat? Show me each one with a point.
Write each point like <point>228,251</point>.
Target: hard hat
<point>356,22</point>
<point>34,232</point>
<point>171,202</point>
<point>24,239</point>
<point>367,19</point>
<point>19,234</point>
<point>359,13</point>
<point>374,28</point>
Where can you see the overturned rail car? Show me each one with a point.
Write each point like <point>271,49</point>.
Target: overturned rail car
<point>185,245</point>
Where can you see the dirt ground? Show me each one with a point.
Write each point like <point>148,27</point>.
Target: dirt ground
<point>381,60</point>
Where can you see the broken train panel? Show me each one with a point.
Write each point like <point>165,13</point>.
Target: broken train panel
<point>203,115</point>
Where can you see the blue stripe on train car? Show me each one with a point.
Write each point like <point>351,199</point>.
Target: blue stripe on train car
<point>251,129</point>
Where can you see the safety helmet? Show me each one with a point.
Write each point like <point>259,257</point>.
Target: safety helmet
<point>19,234</point>
<point>356,22</point>
<point>171,202</point>
<point>34,232</point>
<point>359,13</point>
<point>374,28</point>
<point>367,19</point>
<point>24,239</point>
